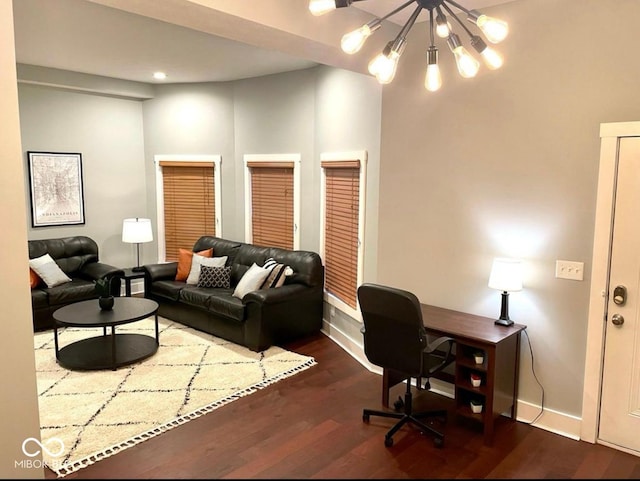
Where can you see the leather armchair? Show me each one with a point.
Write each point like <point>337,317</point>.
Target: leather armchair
<point>77,256</point>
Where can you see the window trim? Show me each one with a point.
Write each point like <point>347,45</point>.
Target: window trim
<point>356,155</point>
<point>295,159</point>
<point>217,161</point>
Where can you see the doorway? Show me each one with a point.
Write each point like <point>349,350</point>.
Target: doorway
<point>611,399</point>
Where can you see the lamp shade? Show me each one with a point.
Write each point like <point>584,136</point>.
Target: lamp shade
<point>506,275</point>
<point>136,230</point>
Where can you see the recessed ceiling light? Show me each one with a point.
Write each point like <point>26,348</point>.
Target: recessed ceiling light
<point>159,75</point>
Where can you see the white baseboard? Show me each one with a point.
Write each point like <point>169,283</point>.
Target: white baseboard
<point>550,420</point>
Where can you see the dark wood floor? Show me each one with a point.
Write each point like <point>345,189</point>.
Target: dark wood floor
<point>310,426</point>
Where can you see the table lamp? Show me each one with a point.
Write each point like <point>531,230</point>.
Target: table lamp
<point>506,276</point>
<point>136,231</point>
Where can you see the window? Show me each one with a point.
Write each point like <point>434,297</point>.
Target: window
<point>188,201</point>
<point>343,203</point>
<point>272,200</point>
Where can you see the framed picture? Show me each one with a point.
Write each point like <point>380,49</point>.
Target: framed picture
<point>55,180</point>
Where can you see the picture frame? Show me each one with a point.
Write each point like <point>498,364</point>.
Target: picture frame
<point>55,181</point>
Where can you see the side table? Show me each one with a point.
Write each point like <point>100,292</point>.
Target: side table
<point>129,275</point>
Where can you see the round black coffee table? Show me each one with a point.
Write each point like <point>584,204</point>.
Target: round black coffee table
<point>108,351</point>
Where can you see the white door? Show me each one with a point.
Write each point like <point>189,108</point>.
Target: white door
<point>620,402</point>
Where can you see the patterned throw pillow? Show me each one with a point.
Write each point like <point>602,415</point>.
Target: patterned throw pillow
<point>215,277</point>
<point>197,261</point>
<point>277,275</point>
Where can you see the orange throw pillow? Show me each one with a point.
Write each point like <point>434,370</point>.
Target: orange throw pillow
<point>184,262</point>
<point>34,279</point>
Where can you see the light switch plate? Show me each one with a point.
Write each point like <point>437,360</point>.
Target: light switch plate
<point>570,270</point>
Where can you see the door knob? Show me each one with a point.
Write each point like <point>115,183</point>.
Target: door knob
<point>617,320</point>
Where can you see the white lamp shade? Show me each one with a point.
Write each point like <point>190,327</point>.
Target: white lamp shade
<point>137,230</point>
<point>506,275</point>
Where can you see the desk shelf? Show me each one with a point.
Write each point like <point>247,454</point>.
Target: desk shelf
<point>500,348</point>
<point>498,376</point>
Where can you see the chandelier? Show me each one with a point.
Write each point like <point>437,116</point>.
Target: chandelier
<point>384,65</point>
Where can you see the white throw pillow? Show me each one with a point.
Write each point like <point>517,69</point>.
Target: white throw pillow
<point>251,281</point>
<point>48,270</point>
<point>198,260</point>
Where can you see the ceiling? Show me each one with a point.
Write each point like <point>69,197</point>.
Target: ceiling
<point>380,8</point>
<point>86,37</point>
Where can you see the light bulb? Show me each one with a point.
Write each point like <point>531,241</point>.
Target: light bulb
<point>443,27</point>
<point>320,7</point>
<point>467,65</point>
<point>352,42</point>
<point>387,70</point>
<point>377,61</point>
<point>375,64</point>
<point>494,29</point>
<point>384,66</point>
<point>492,59</point>
<point>433,78</point>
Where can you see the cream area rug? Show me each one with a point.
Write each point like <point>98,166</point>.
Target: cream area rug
<point>86,416</point>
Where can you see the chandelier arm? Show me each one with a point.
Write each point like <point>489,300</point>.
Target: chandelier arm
<point>431,28</point>
<point>345,3</point>
<point>407,26</point>
<point>393,12</point>
<point>457,5</point>
<point>448,9</point>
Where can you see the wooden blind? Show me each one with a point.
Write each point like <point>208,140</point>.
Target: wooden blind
<point>189,204</point>
<point>342,212</point>
<point>272,203</point>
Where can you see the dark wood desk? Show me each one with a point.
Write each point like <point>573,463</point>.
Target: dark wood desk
<point>498,372</point>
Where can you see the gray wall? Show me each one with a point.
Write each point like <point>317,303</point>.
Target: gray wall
<point>192,119</point>
<point>306,111</point>
<point>108,133</point>
<point>275,115</point>
<point>506,165</point>
<point>348,118</point>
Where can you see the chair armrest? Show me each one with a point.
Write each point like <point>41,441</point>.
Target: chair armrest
<point>97,270</point>
<point>440,348</point>
<point>435,345</point>
<point>158,272</point>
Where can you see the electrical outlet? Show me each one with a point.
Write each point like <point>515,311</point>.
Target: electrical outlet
<point>570,270</point>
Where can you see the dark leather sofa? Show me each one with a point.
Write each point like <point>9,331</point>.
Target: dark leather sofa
<point>78,258</point>
<point>262,318</point>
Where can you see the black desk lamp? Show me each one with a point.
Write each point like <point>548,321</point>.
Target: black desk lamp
<point>506,276</point>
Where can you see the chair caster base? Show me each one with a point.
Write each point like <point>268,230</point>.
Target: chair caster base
<point>398,405</point>
<point>388,442</point>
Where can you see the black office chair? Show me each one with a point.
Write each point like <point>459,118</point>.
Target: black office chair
<point>395,338</point>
